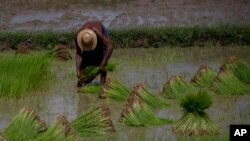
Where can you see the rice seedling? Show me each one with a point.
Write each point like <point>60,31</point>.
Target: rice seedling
<point>25,126</point>
<point>89,73</point>
<point>89,89</point>
<point>95,122</point>
<point>58,131</point>
<point>20,74</point>
<point>60,52</point>
<point>239,68</point>
<point>137,113</point>
<point>148,98</point>
<point>227,83</point>
<point>115,90</point>
<point>195,120</point>
<point>204,77</point>
<point>177,87</point>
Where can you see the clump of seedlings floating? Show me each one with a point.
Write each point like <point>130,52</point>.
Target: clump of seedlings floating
<point>195,120</point>
<point>204,77</point>
<point>115,90</point>
<point>58,131</point>
<point>239,68</point>
<point>93,89</point>
<point>21,74</point>
<point>25,126</point>
<point>89,73</point>
<point>60,52</point>
<point>177,87</point>
<point>137,113</point>
<point>95,122</point>
<point>227,83</point>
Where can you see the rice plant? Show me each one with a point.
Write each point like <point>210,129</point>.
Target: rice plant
<point>204,77</point>
<point>195,120</point>
<point>177,87</point>
<point>137,113</point>
<point>227,83</point>
<point>95,122</point>
<point>25,126</point>
<point>115,90</point>
<point>20,74</point>
<point>88,74</point>
<point>148,98</point>
<point>60,52</point>
<point>58,131</point>
<point>239,68</point>
<point>89,89</point>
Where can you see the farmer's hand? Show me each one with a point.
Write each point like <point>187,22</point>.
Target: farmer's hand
<point>78,73</point>
<point>101,68</point>
<point>79,84</point>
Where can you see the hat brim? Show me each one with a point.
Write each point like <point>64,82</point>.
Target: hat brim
<point>82,46</point>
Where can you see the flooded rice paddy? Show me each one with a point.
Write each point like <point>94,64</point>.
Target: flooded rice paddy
<point>152,67</point>
<point>67,15</point>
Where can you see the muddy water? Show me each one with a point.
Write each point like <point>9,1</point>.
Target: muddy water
<point>152,67</point>
<point>71,14</point>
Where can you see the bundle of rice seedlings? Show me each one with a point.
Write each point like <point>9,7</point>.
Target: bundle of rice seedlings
<point>66,125</point>
<point>95,122</point>
<point>89,89</point>
<point>177,87</point>
<point>61,52</point>
<point>2,138</point>
<point>58,131</point>
<point>89,73</point>
<point>239,68</point>
<point>195,120</point>
<point>137,113</point>
<point>25,126</point>
<point>20,74</point>
<point>204,77</point>
<point>149,98</point>
<point>227,83</point>
<point>115,90</point>
<point>22,48</point>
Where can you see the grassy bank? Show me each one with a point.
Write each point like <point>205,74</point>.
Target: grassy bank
<point>222,35</point>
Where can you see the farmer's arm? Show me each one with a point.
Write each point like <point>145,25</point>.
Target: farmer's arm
<point>109,48</point>
<point>78,59</point>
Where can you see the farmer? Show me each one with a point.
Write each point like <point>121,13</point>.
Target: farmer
<point>93,48</point>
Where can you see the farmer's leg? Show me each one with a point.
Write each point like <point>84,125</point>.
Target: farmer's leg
<point>103,80</point>
<point>103,77</point>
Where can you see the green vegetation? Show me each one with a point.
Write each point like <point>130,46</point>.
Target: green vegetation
<point>115,90</point>
<point>137,113</point>
<point>88,74</point>
<point>239,68</point>
<point>21,74</point>
<point>195,120</point>
<point>204,77</point>
<point>177,87</point>
<point>25,126</point>
<point>148,98</point>
<point>227,83</point>
<point>54,133</point>
<point>89,89</point>
<point>95,122</point>
<point>143,36</point>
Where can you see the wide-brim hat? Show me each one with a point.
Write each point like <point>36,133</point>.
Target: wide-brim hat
<point>87,40</point>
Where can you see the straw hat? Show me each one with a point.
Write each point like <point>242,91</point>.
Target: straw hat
<point>87,40</point>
